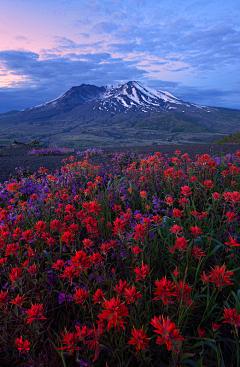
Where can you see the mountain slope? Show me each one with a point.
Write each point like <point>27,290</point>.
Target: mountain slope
<point>129,111</point>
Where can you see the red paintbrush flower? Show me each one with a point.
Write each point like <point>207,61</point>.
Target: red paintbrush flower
<point>55,225</point>
<point>70,339</point>
<point>197,252</point>
<point>231,316</point>
<point>176,229</point>
<point>12,249</point>
<point>177,152</point>
<point>139,339</point>
<point>169,200</point>
<point>96,258</point>
<point>15,274</point>
<point>136,250</point>
<point>232,242</point>
<point>195,214</point>
<point>167,330</point>
<point>141,272</point>
<point>177,213</point>
<point>185,156</point>
<point>17,233</point>
<point>58,264</point>
<point>175,272</point>
<point>215,326</point>
<point>81,260</point>
<point>83,333</point>
<point>193,179</point>
<point>139,232</point>
<point>183,290</point>
<point>35,313</point>
<point>28,235</point>
<point>131,294</point>
<point>98,296</point>
<point>40,226</point>
<point>143,194</point>
<point>3,298</point>
<point>69,209</point>
<point>22,345</point>
<point>67,237</point>
<point>201,333</point>
<point>120,289</point>
<point>231,216</point>
<point>69,272</point>
<point>183,202</point>
<point>216,196</point>
<point>113,313</point>
<point>186,191</point>
<point>208,184</point>
<point>119,226</point>
<point>105,248</point>
<point>32,269</point>
<point>81,295</point>
<point>195,230</point>
<point>234,197</point>
<point>18,300</point>
<point>165,291</point>
<point>220,276</point>
<point>181,244</point>
<point>87,243</point>
<point>96,334</point>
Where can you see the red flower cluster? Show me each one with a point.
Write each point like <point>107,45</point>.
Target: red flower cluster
<point>113,313</point>
<point>139,339</point>
<point>168,331</point>
<point>219,275</point>
<point>22,345</point>
<point>35,313</point>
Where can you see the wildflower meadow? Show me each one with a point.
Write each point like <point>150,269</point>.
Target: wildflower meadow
<point>51,151</point>
<point>135,263</point>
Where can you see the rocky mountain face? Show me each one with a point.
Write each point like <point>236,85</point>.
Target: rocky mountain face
<point>129,113</point>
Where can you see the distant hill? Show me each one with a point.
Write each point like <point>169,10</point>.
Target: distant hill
<point>232,138</point>
<point>122,115</point>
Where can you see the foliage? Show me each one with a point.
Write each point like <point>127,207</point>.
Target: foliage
<point>133,264</point>
<point>51,151</point>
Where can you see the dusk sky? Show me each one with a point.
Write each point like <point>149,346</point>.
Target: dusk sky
<point>186,47</point>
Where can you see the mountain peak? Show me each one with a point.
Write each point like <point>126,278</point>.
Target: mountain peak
<point>127,112</point>
<point>133,95</point>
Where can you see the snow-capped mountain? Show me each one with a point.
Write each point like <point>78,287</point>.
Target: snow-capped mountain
<point>126,113</point>
<point>115,99</point>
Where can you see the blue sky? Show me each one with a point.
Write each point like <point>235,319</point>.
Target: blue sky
<point>188,48</point>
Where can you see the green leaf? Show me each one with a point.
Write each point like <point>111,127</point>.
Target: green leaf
<point>58,351</point>
<point>186,355</point>
<point>237,303</point>
<point>227,304</point>
<point>235,269</point>
<point>214,250</point>
<point>48,257</point>
<point>192,363</point>
<point>211,345</point>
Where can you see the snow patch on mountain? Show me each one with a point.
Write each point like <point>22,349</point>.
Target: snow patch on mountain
<point>139,95</point>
